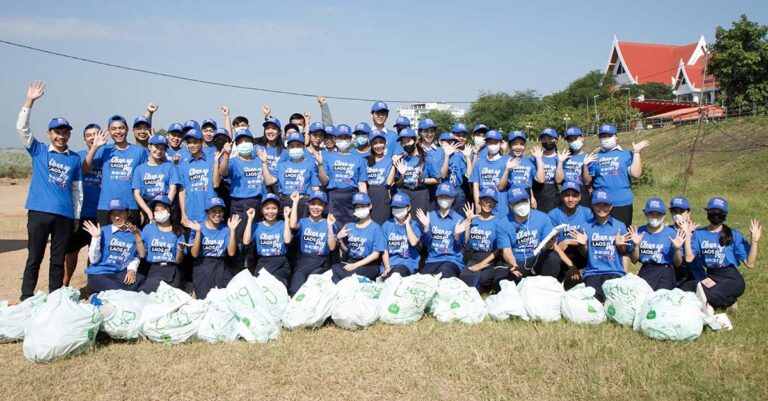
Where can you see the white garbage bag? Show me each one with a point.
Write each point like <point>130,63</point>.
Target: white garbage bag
<point>13,319</point>
<point>506,303</point>
<point>313,303</point>
<point>122,312</point>
<point>219,323</point>
<point>542,296</point>
<point>173,318</point>
<point>671,315</point>
<point>455,301</point>
<point>275,294</point>
<point>60,327</point>
<point>256,303</point>
<point>357,305</point>
<point>623,298</point>
<point>403,300</point>
<point>581,307</point>
<point>255,324</point>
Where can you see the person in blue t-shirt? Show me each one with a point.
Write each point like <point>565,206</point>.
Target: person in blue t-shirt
<point>453,168</point>
<point>361,140</point>
<point>602,242</point>
<point>362,241</point>
<point>414,171</point>
<point>427,142</point>
<point>443,235</point>
<point>491,170</point>
<point>401,123</point>
<point>271,237</point>
<point>657,247</point>
<point>114,252</point>
<point>271,142</point>
<point>680,210</point>
<point>165,247</point>
<point>545,186</point>
<point>481,242</point>
<point>55,194</point>
<point>612,168</point>
<point>345,174</point>
<point>142,129</point>
<point>317,239</point>
<point>379,115</point>
<point>198,179</point>
<point>156,177</point>
<point>402,236</point>
<point>575,218</point>
<point>478,150</point>
<point>570,163</point>
<point>381,175</point>
<point>519,235</point>
<point>117,162</point>
<point>717,251</point>
<point>523,171</point>
<point>175,138</point>
<point>212,241</point>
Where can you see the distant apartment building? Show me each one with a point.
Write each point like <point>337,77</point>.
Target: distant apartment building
<point>415,111</point>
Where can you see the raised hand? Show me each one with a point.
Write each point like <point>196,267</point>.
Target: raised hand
<point>331,220</point>
<point>592,156</point>
<point>94,230</point>
<point>307,117</point>
<point>579,236</point>
<point>621,240</point>
<point>250,214</point>
<point>512,162</point>
<point>679,239</point>
<point>192,225</point>
<point>637,147</point>
<point>321,100</point>
<point>400,166</point>
<point>36,90</point>
<point>635,236</point>
<point>267,111</point>
<point>563,155</point>
<point>342,233</point>
<point>295,196</point>
<point>233,221</point>
<point>469,211</point>
<point>537,152</point>
<point>261,154</point>
<point>462,226</point>
<point>152,107</point>
<point>448,149</point>
<point>423,218</point>
<point>318,156</point>
<point>287,213</point>
<point>755,229</point>
<point>224,110</point>
<point>132,228</point>
<point>101,138</point>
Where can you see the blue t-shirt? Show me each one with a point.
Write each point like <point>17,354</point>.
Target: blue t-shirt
<point>361,242</point>
<point>416,171</point>
<point>118,249</point>
<point>161,245</point>
<point>361,153</point>
<point>524,237</point>
<point>710,255</point>
<point>575,222</point>
<point>274,155</point>
<point>523,174</point>
<point>196,178</point>
<point>269,238</point>
<point>550,167</point>
<point>377,174</point>
<point>457,169</point>
<point>344,170</point>
<point>91,189</point>
<point>297,176</point>
<point>482,234</point>
<point>393,146</point>
<point>400,250</point>
<point>117,166</point>
<point>246,178</point>
<point>442,245</point>
<point>155,180</point>
<point>52,176</point>
<point>573,167</point>
<point>657,247</point>
<point>602,255</point>
<point>313,236</point>
<point>214,241</point>
<point>487,173</point>
<point>171,152</point>
<point>610,172</point>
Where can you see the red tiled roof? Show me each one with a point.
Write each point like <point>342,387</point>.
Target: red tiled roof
<point>695,74</point>
<point>648,62</point>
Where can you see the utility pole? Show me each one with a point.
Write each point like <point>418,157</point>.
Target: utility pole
<point>689,168</point>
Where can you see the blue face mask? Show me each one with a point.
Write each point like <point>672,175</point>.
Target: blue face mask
<point>295,153</point>
<point>361,140</point>
<point>245,148</point>
<point>576,145</point>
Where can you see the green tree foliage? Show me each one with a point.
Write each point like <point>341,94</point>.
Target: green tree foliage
<point>583,89</point>
<point>502,110</point>
<point>651,91</point>
<point>443,119</point>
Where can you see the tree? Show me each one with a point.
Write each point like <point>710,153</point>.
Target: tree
<point>444,119</point>
<point>502,110</point>
<point>586,87</point>
<point>652,90</point>
<point>739,60</point>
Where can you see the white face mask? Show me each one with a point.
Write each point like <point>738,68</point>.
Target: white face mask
<point>295,153</point>
<point>655,222</point>
<point>362,212</point>
<point>679,219</point>
<point>493,149</point>
<point>343,144</point>
<point>480,141</point>
<point>576,145</point>
<point>162,216</point>
<point>399,212</point>
<point>245,148</point>
<point>522,209</point>
<point>608,143</point>
<point>445,203</point>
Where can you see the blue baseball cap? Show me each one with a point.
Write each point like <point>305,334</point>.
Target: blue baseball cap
<point>379,106</point>
<point>191,124</point>
<point>550,132</point>
<point>175,127</point>
<point>406,133</point>
<point>378,134</point>
<point>213,202</point>
<point>294,137</point>
<point>516,194</point>
<point>480,128</point>
<point>362,127</point>
<point>717,203</point>
<point>494,134</point>
<point>316,126</point>
<point>447,136</point>
<point>573,131</point>
<point>117,204</point>
<point>89,126</point>
<point>601,196</point>
<point>318,195</point>
<point>270,198</point>
<point>426,123</point>
<point>58,122</point>
<point>221,131</point>
<point>342,129</point>
<point>210,122</point>
<point>517,135</point>
<point>243,132</point>
<point>573,186</point>
<point>607,129</point>
<point>193,134</point>
<point>160,199</point>
<point>654,205</point>
<point>403,122</point>
<point>158,139</point>
<point>273,121</point>
<point>458,127</point>
<point>400,199</point>
<point>141,120</point>
<point>446,189</point>
<point>329,129</point>
<point>361,198</point>
<point>679,202</point>
<point>490,193</point>
<point>116,117</point>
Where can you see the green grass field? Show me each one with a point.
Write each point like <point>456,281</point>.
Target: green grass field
<point>15,164</point>
<point>493,360</point>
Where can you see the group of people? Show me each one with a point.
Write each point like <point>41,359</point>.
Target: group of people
<point>202,202</point>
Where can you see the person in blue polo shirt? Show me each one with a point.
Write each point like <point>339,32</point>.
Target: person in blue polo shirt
<point>717,251</point>
<point>602,242</point>
<point>611,168</point>
<point>443,235</point>
<point>55,194</point>
<point>156,177</point>
<point>165,247</point>
<point>381,175</point>
<point>117,162</point>
<point>114,252</point>
<point>453,168</point>
<point>491,170</point>
<point>175,138</point>
<point>271,236</point>
<point>299,174</point>
<point>379,115</point>
<point>346,175</point>
<point>212,241</point>
<point>657,247</point>
<point>570,162</point>
<point>198,179</point>
<point>481,243</point>
<point>362,241</point>
<point>402,236</point>
<point>414,171</point>
<point>317,239</point>
<point>575,218</point>
<point>545,187</point>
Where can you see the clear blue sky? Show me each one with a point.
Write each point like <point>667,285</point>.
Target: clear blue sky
<point>446,50</point>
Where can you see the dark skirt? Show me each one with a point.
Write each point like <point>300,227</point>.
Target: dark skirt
<point>379,195</point>
<point>209,273</point>
<point>276,265</point>
<point>158,272</point>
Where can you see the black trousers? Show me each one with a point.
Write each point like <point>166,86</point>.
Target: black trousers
<point>623,214</point>
<point>40,226</point>
<point>546,263</point>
